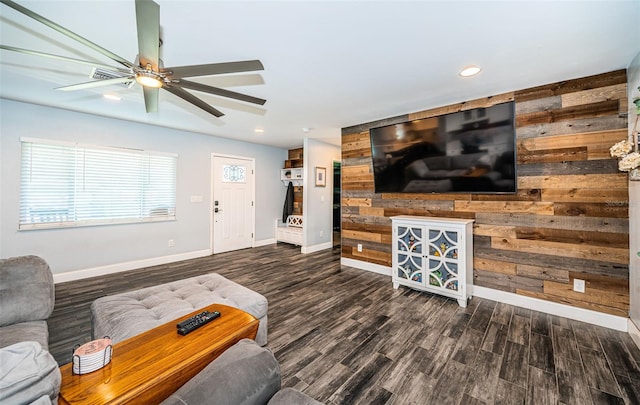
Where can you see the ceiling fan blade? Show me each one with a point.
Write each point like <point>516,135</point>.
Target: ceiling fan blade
<point>148,23</point>
<point>186,96</point>
<point>97,83</point>
<point>67,32</point>
<point>63,58</point>
<point>217,91</point>
<point>151,98</point>
<point>179,72</point>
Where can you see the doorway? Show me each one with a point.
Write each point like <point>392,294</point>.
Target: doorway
<point>336,203</point>
<point>232,211</point>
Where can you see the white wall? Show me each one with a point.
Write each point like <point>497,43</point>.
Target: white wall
<point>318,201</point>
<point>633,82</point>
<point>82,248</point>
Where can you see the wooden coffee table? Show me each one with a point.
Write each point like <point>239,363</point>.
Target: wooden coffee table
<point>149,367</point>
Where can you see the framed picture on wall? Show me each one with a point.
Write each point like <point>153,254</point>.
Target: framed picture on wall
<point>321,176</point>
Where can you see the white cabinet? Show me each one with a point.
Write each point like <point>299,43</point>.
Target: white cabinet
<point>434,254</point>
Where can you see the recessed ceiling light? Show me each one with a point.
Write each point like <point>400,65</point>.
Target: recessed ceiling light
<point>112,97</point>
<point>259,131</point>
<point>470,71</point>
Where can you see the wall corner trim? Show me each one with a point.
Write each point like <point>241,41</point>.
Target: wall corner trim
<point>264,242</point>
<point>635,333</point>
<point>316,248</point>
<point>553,308</point>
<point>362,265</point>
<point>125,266</point>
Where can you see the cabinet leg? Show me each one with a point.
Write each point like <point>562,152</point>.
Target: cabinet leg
<point>462,303</point>
<point>396,285</point>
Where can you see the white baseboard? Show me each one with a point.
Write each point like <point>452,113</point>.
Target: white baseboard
<point>362,265</point>
<point>634,332</point>
<point>579,314</point>
<point>567,311</point>
<point>316,248</point>
<point>264,242</point>
<point>119,267</point>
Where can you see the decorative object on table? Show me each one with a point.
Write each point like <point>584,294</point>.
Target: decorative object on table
<point>92,356</point>
<point>627,150</point>
<point>321,176</point>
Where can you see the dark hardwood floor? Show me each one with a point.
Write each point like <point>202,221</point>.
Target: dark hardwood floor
<point>345,336</point>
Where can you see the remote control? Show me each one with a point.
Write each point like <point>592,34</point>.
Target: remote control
<point>192,319</point>
<point>197,321</point>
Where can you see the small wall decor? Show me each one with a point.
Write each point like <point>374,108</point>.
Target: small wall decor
<point>321,176</point>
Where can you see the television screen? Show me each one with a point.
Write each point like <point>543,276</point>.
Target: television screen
<point>470,151</point>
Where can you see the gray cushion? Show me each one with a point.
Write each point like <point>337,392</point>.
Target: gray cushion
<point>245,374</point>
<point>26,290</point>
<point>125,315</point>
<point>20,332</point>
<point>29,374</point>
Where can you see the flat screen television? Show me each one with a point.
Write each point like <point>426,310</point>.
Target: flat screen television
<point>470,151</point>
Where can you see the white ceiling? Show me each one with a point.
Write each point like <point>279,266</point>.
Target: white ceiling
<point>328,64</point>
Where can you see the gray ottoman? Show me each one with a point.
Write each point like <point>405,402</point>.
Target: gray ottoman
<point>122,316</point>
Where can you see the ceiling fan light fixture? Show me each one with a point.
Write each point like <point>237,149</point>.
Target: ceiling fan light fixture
<point>149,78</point>
<point>470,71</point>
<point>148,69</point>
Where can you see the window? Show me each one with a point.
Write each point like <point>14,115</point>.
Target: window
<point>65,184</point>
<point>233,174</point>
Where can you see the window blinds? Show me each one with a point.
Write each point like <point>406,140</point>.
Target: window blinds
<point>64,184</point>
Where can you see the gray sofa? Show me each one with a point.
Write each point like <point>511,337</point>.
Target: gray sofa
<point>28,372</point>
<point>27,295</point>
<point>245,374</point>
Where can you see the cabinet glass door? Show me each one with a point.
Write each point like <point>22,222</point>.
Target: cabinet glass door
<point>409,250</point>
<point>443,259</point>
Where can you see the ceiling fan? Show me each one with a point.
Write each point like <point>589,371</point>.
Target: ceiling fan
<point>147,69</point>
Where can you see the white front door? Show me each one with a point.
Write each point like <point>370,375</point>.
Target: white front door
<point>232,207</point>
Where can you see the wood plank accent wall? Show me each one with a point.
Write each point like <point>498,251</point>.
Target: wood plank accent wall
<point>569,218</point>
<point>295,159</point>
